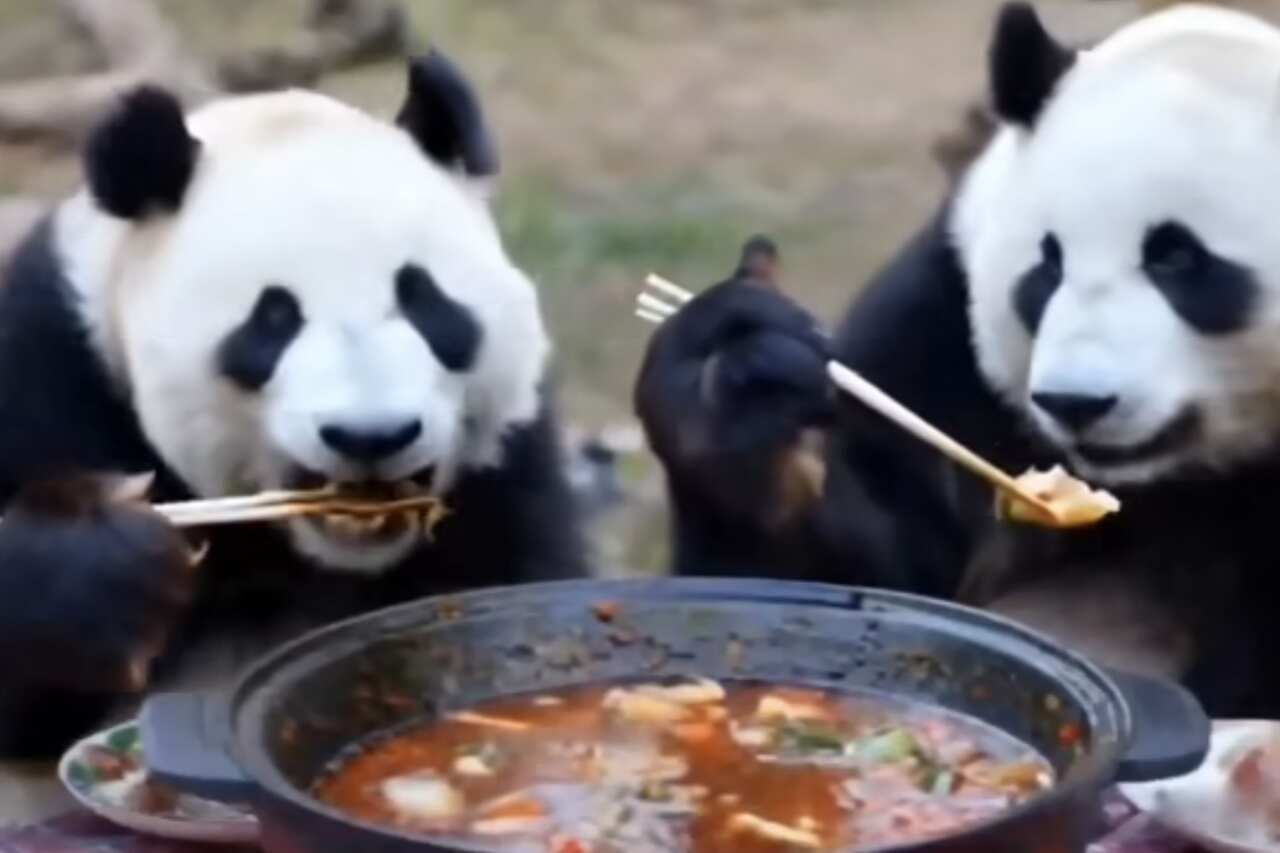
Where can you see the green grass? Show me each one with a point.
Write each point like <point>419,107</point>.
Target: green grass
<point>568,242</point>
<point>590,255</point>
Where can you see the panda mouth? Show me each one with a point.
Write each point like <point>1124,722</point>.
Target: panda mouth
<point>357,531</point>
<point>1178,433</point>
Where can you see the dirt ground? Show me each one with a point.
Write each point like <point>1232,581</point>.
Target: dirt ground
<point>656,135</point>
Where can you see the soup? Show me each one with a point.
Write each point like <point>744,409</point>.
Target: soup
<point>692,766</point>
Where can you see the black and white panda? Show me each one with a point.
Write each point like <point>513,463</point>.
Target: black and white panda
<point>274,291</point>
<point>1098,289</point>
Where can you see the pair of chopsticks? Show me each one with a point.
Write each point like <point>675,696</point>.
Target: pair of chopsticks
<point>274,506</point>
<point>664,299</point>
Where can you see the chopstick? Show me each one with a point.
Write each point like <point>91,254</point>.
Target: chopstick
<point>273,506</point>
<point>853,384</point>
<point>653,309</point>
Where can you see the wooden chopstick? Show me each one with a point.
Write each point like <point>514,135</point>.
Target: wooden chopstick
<point>273,506</point>
<point>871,396</point>
<point>260,499</point>
<point>851,383</point>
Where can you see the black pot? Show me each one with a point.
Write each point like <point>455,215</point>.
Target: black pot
<point>294,710</point>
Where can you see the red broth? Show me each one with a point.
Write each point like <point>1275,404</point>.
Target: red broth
<point>696,767</point>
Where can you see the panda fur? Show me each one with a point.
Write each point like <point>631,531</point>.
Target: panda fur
<point>1096,290</point>
<point>274,291</point>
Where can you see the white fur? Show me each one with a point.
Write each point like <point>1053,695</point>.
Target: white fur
<point>301,191</point>
<point>1175,117</point>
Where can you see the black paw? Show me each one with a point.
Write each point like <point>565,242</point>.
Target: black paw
<point>91,583</point>
<point>740,367</point>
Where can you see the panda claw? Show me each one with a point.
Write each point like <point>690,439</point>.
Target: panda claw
<point>197,554</point>
<point>133,488</point>
<point>136,675</point>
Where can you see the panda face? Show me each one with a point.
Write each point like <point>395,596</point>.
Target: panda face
<point>327,306</point>
<point>1122,252</point>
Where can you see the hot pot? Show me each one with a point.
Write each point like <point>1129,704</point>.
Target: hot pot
<point>301,705</point>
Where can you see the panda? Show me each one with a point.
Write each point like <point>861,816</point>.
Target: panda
<point>274,291</point>
<point>1097,289</point>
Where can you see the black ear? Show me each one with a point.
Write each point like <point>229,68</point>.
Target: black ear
<point>759,262</point>
<point>443,114</point>
<point>1026,64</point>
<point>141,158</point>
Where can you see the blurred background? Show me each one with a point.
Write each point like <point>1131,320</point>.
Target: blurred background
<point>638,136</point>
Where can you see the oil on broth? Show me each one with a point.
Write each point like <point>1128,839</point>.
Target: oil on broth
<point>690,766</point>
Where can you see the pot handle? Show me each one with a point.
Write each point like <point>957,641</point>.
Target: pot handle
<point>186,738</point>
<point>1170,729</point>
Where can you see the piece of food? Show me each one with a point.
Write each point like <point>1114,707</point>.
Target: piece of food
<point>424,797</point>
<point>1072,502</point>
<point>106,764</point>
<point>151,797</point>
<point>490,721</point>
<point>744,822</point>
<point>641,707</point>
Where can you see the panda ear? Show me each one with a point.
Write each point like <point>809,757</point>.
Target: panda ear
<point>141,158</point>
<point>1026,63</point>
<point>443,115</point>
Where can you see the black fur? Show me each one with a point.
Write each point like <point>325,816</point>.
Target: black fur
<point>442,114</point>
<point>1038,285</point>
<point>141,159</point>
<point>447,326</point>
<point>736,346</point>
<point>61,412</point>
<point>249,354</point>
<point>1026,64</point>
<point>1212,294</point>
<point>87,584</point>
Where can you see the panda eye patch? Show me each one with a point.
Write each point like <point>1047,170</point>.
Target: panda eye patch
<point>1212,294</point>
<point>248,356</point>
<point>1033,291</point>
<point>447,326</point>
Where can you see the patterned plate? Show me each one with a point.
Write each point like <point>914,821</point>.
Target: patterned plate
<point>107,774</point>
<point>1196,806</point>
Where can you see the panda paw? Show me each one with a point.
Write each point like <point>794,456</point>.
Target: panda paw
<point>740,367</point>
<point>91,583</point>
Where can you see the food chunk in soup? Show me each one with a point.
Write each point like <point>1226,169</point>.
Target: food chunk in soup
<point>694,766</point>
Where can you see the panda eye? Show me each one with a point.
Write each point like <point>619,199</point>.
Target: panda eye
<point>448,327</point>
<point>1210,293</point>
<point>1033,291</point>
<point>277,312</point>
<point>1051,254</point>
<point>249,354</point>
<point>1171,250</point>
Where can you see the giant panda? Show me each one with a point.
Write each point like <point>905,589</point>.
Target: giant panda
<point>1099,289</point>
<point>273,291</point>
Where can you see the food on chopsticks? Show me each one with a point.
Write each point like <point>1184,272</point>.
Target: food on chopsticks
<point>355,508</point>
<point>1071,502</point>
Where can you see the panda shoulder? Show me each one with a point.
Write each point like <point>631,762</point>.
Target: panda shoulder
<point>63,405</point>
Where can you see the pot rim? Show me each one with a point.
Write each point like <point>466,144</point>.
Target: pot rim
<point>1094,771</point>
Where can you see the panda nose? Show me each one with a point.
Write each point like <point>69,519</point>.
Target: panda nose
<point>372,443</point>
<point>1076,412</point>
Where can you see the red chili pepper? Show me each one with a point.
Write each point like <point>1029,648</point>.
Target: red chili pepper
<point>1069,734</point>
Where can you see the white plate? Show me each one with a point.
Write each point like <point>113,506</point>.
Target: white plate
<point>1195,806</point>
<point>193,819</point>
